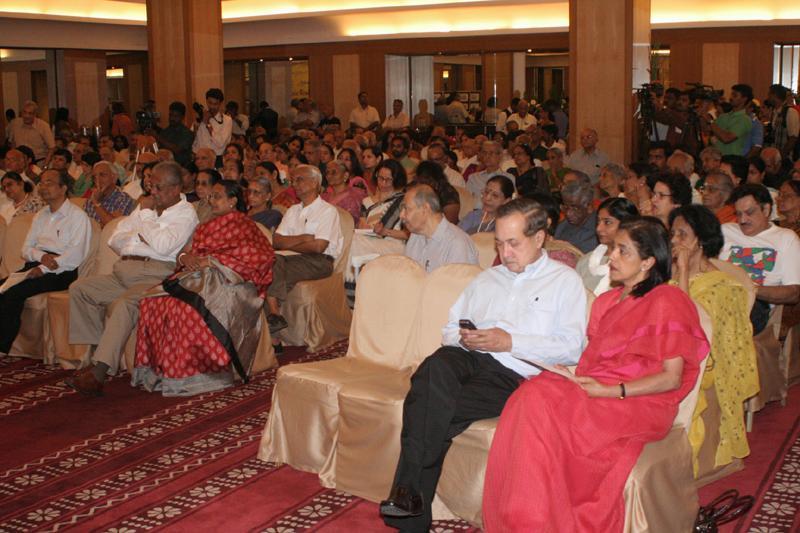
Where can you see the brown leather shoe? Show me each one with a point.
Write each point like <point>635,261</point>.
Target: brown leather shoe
<point>84,382</point>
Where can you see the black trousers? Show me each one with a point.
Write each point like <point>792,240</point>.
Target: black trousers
<point>451,389</point>
<point>13,300</point>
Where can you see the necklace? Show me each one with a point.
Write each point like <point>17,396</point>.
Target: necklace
<point>488,224</point>
<point>16,205</point>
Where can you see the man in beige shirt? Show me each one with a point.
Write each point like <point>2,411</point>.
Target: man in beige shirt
<point>31,131</point>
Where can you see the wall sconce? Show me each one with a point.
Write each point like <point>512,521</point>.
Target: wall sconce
<point>445,74</point>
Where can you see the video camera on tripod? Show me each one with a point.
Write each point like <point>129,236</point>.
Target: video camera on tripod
<point>700,91</point>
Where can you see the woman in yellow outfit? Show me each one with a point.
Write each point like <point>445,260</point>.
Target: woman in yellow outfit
<point>731,368</point>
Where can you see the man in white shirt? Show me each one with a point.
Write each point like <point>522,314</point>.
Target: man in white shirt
<point>310,228</point>
<point>364,116</point>
<point>768,253</point>
<point>398,119</point>
<point>55,246</point>
<point>588,159</point>
<point>524,119</point>
<point>215,128</point>
<point>148,242</point>
<point>437,154</point>
<point>530,309</point>
<point>434,241</point>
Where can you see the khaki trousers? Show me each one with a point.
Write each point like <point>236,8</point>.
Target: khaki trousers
<point>289,270</point>
<point>117,296</point>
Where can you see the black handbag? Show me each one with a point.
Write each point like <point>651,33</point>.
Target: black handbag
<point>725,507</point>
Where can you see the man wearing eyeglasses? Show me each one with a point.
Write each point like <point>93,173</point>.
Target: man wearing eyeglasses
<point>716,193</point>
<point>148,243</point>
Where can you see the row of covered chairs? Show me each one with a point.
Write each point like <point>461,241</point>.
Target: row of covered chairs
<point>341,419</point>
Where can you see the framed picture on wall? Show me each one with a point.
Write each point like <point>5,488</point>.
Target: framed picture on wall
<point>464,97</point>
<point>475,97</point>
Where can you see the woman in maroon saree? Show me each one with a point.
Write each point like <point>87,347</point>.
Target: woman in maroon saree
<point>208,320</point>
<point>564,447</point>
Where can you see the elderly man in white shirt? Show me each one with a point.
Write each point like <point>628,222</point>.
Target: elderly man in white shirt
<point>524,119</point>
<point>528,311</point>
<point>310,229</point>
<point>491,156</point>
<point>398,119</point>
<point>55,246</point>
<point>148,242</point>
<point>214,130</point>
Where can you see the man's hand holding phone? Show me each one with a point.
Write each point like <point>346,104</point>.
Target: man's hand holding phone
<point>483,340</point>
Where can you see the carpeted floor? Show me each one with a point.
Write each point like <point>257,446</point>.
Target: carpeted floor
<point>133,461</point>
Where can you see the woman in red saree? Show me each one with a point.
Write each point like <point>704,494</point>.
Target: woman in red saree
<point>209,319</point>
<point>565,446</point>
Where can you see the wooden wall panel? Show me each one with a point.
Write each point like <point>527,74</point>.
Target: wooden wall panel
<point>234,84</point>
<point>203,20</point>
<point>10,82</point>
<point>721,65</point>
<point>372,67</point>
<point>320,78</point>
<point>755,66</point>
<point>167,57</point>
<point>685,63</point>
<point>346,85</point>
<point>498,77</point>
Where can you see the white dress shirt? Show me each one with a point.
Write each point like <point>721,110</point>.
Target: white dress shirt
<point>66,233</point>
<point>396,122</point>
<point>542,308</point>
<point>320,219</point>
<point>145,233</point>
<point>524,122</point>
<point>362,117</point>
<point>218,138</point>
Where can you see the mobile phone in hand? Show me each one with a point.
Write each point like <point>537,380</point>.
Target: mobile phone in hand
<point>466,324</point>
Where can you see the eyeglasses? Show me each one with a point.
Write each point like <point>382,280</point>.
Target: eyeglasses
<point>661,195</point>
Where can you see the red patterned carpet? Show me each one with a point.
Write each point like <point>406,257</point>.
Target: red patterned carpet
<point>134,461</point>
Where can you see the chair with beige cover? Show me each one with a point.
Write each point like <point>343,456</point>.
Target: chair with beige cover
<point>303,422</point>
<point>466,200</point>
<point>3,228</point>
<point>317,310</point>
<point>66,354</point>
<point>484,242</point>
<point>659,495</point>
<point>371,411</point>
<point>11,259</point>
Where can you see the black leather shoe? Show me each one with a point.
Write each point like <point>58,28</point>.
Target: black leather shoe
<point>402,502</point>
<point>276,323</point>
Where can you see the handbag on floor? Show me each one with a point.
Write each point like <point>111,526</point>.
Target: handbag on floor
<point>725,507</point>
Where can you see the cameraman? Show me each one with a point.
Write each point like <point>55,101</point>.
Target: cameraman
<point>732,129</point>
<point>213,129</point>
<point>676,114</point>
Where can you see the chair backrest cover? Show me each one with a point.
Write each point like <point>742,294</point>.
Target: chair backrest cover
<point>740,275</point>
<point>484,242</point>
<point>688,404</point>
<point>106,257</point>
<point>467,202</point>
<point>15,239</point>
<point>89,265</point>
<point>387,300</point>
<point>442,288</point>
<point>348,227</point>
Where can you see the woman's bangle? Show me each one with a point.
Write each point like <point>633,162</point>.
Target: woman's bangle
<point>621,390</point>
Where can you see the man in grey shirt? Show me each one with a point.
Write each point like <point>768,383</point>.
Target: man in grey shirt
<point>434,241</point>
<point>589,159</point>
<point>580,220</point>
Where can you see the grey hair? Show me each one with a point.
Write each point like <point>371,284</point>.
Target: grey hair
<point>103,162</point>
<point>583,177</point>
<point>578,190</point>
<point>555,150</point>
<point>725,180</point>
<point>688,162</point>
<point>339,164</point>
<point>310,171</point>
<point>618,171</point>
<point>425,195</point>
<point>31,103</point>
<point>713,152</point>
<point>494,145</point>
<point>171,171</point>
<point>264,183</point>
